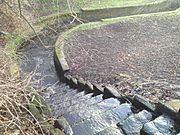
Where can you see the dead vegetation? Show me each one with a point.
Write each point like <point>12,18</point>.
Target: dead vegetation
<point>15,97</point>
<point>15,93</point>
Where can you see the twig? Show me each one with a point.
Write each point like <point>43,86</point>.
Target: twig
<point>23,17</point>
<point>73,14</point>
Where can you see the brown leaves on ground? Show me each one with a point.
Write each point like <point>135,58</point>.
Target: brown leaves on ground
<point>14,99</point>
<point>15,93</point>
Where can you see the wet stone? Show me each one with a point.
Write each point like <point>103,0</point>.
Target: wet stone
<point>90,126</point>
<point>56,105</point>
<point>105,105</point>
<point>53,98</point>
<point>80,115</point>
<point>65,89</point>
<point>122,111</point>
<point>134,123</point>
<point>60,99</point>
<point>74,101</point>
<point>108,103</point>
<point>162,125</point>
<point>81,105</point>
<point>58,87</point>
<point>110,117</point>
<point>89,87</point>
<point>68,97</point>
<point>62,88</point>
<point>111,92</point>
<point>98,98</point>
<point>63,95</point>
<point>80,99</point>
<point>53,90</point>
<point>62,123</point>
<point>111,131</point>
<point>86,103</point>
<point>98,122</point>
<point>143,103</point>
<point>77,116</point>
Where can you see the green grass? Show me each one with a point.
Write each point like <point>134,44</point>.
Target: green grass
<point>77,5</point>
<point>13,42</point>
<point>94,4</point>
<point>98,4</point>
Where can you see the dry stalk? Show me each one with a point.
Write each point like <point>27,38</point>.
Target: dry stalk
<point>14,101</point>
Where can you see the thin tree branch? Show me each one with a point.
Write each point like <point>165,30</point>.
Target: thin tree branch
<point>23,17</point>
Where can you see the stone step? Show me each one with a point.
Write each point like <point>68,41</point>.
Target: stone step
<point>74,101</point>
<point>108,104</point>
<point>80,115</point>
<point>80,106</point>
<point>162,125</point>
<point>117,114</point>
<point>63,98</point>
<point>61,85</point>
<point>57,96</point>
<point>71,97</point>
<point>63,95</point>
<point>114,130</point>
<point>90,127</point>
<point>62,89</point>
<point>123,111</point>
<point>55,104</point>
<point>100,122</point>
<point>134,123</point>
<point>53,90</point>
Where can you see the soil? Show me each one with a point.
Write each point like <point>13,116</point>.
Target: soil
<point>139,57</point>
